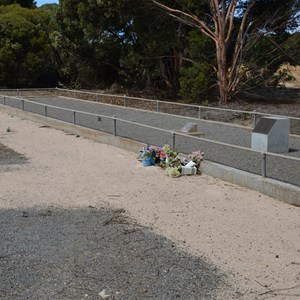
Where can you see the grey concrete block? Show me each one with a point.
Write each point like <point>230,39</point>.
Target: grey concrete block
<point>271,134</point>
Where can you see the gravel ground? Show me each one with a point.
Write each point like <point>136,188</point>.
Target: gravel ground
<point>95,253</point>
<point>10,157</point>
<point>51,253</point>
<point>277,168</point>
<point>82,220</point>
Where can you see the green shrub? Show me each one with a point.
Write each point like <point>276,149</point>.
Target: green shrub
<point>195,82</point>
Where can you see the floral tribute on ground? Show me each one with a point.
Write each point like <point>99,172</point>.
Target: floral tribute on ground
<point>169,159</point>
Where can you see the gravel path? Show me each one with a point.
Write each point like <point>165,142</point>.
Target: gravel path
<point>277,168</point>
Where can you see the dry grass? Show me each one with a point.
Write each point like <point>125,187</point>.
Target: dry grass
<point>295,72</point>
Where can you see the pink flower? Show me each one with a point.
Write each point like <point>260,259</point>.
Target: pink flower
<point>162,155</point>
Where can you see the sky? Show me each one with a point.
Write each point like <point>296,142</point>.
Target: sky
<point>41,2</point>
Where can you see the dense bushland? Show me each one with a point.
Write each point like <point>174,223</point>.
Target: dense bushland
<point>200,51</point>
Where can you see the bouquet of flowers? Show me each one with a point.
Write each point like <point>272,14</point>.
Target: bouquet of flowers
<point>170,160</point>
<point>196,157</point>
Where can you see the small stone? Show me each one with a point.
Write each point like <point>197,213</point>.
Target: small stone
<point>104,295</point>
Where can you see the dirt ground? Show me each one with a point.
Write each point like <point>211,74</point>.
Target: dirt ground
<point>252,238</point>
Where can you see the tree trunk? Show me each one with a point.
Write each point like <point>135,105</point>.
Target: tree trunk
<point>164,74</point>
<point>223,16</point>
<point>221,50</point>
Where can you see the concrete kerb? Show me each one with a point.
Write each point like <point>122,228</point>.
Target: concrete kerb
<point>282,191</point>
<point>88,133</point>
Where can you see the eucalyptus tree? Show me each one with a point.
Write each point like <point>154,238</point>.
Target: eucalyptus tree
<point>89,41</point>
<point>234,26</point>
<point>154,50</point>
<point>23,3</point>
<point>25,50</point>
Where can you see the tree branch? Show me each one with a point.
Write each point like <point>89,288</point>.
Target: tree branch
<point>204,28</point>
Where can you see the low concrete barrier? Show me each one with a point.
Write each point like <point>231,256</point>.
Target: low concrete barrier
<point>282,191</point>
<point>88,133</point>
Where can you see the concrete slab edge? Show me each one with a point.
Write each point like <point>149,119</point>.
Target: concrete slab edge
<point>282,191</point>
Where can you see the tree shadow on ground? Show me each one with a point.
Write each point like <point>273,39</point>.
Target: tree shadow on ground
<point>9,156</point>
<point>51,253</point>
